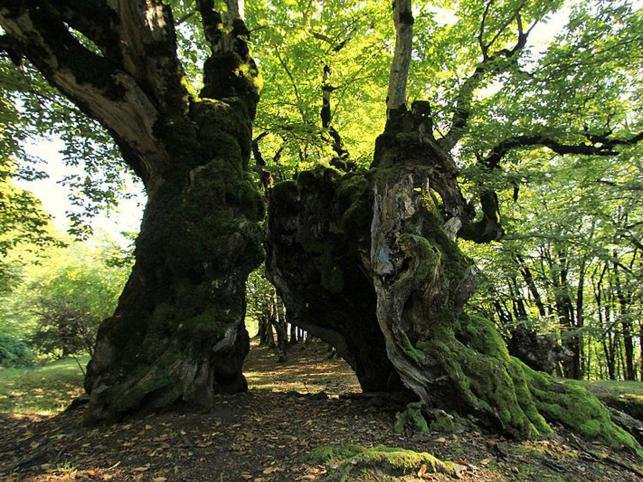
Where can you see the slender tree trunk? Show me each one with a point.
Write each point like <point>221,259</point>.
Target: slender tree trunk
<point>626,322</point>
<point>640,350</point>
<point>531,284</point>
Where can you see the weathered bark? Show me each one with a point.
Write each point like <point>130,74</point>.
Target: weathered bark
<point>355,252</point>
<point>177,335</point>
<point>404,259</point>
<point>317,237</point>
<point>624,300</point>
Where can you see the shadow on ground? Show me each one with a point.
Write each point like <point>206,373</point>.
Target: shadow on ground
<point>268,434</point>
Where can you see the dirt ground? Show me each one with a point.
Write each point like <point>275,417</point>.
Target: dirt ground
<point>268,434</point>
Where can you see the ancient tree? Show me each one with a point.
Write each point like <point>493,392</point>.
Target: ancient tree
<point>366,260</point>
<point>379,252</point>
<point>177,336</point>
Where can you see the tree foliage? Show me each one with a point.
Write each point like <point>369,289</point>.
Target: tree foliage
<point>60,301</point>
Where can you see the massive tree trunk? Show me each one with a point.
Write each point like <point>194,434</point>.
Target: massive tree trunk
<point>178,333</point>
<point>370,264</point>
<point>177,336</point>
<point>317,238</point>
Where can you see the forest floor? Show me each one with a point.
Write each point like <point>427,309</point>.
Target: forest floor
<point>269,434</point>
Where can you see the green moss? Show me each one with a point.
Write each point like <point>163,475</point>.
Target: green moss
<point>223,149</point>
<point>573,406</point>
<point>481,334</point>
<point>428,256</point>
<point>399,460</point>
<point>189,88</point>
<point>220,125</point>
<point>447,423</point>
<point>211,322</point>
<point>351,188</point>
<point>180,139</point>
<point>506,392</point>
<point>486,385</point>
<point>415,354</point>
<point>326,453</point>
<point>411,418</point>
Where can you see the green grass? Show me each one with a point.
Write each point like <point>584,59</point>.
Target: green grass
<point>47,389</point>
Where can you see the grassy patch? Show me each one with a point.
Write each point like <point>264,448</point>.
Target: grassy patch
<point>43,390</point>
<point>613,387</point>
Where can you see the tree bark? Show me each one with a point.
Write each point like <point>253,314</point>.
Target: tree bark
<point>177,335</point>
<point>317,226</point>
<point>341,248</point>
<point>368,262</point>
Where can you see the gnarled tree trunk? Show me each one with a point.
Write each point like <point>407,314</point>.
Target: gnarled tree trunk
<point>392,235</point>
<point>178,333</point>
<point>317,237</point>
<point>177,336</point>
<point>369,263</point>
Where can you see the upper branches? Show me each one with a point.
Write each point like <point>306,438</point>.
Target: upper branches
<point>492,63</point>
<point>489,228</point>
<point>398,78</point>
<point>601,145</point>
<point>230,71</point>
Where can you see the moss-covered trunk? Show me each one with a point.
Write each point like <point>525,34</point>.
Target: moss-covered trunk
<point>178,335</point>
<point>370,263</point>
<point>317,231</point>
<point>422,282</point>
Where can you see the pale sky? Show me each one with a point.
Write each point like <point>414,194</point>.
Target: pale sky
<point>55,196</point>
<point>127,216</point>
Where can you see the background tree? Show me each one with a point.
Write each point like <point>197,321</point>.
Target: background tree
<point>59,297</point>
<point>70,299</point>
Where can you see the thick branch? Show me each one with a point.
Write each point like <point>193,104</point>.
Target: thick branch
<point>11,49</point>
<point>230,71</point>
<point>136,35</point>
<point>488,228</point>
<point>606,146</point>
<point>92,82</point>
<point>148,47</point>
<point>260,163</point>
<point>95,20</point>
<point>212,23</point>
<point>403,20</point>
